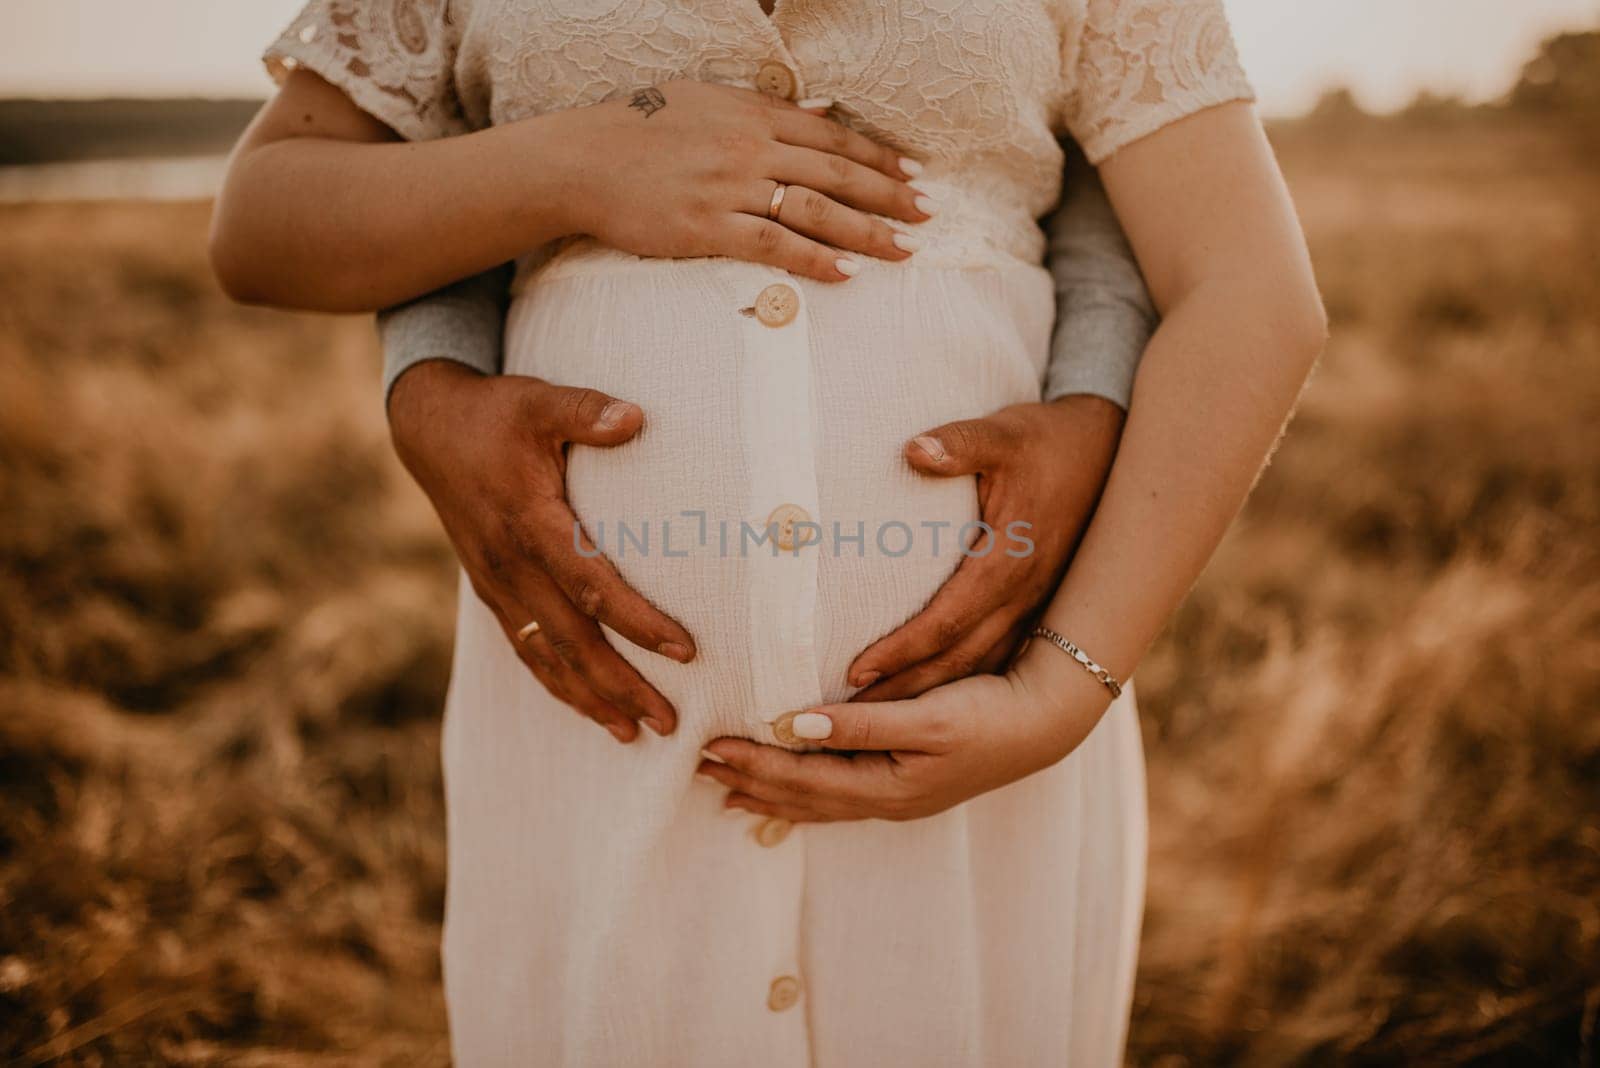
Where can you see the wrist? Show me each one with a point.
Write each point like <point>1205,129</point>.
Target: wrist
<point>544,200</point>
<point>421,391</point>
<point>1093,409</point>
<point>572,156</point>
<point>1067,699</point>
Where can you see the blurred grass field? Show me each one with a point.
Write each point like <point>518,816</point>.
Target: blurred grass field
<point>1373,730</point>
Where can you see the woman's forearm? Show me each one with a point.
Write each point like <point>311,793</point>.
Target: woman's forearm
<point>338,225</point>
<point>1213,391</point>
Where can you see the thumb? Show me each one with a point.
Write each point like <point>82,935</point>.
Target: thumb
<point>965,447</point>
<point>589,417</point>
<point>865,725</point>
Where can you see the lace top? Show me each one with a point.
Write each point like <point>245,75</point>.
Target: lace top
<point>978,90</point>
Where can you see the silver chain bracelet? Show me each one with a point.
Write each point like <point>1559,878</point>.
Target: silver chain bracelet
<point>1081,657</point>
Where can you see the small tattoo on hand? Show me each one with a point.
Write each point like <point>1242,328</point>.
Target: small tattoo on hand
<point>648,101</point>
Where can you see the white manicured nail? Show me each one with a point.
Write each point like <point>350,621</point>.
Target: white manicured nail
<point>910,167</point>
<point>812,726</point>
<point>924,203</point>
<point>729,810</point>
<point>906,242</point>
<point>848,268</point>
<point>709,755</point>
<point>815,102</point>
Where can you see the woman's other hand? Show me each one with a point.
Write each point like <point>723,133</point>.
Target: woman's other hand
<point>688,168</point>
<point>904,760</point>
<point>490,454</point>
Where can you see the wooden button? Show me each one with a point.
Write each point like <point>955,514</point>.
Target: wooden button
<point>772,832</point>
<point>788,524</point>
<point>784,994</point>
<point>777,305</point>
<point>775,79</point>
<point>783,729</point>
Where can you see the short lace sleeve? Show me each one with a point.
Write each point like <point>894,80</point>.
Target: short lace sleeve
<point>1142,64</point>
<point>394,58</point>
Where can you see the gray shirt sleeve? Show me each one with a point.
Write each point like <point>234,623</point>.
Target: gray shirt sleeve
<point>464,322</point>
<point>1104,316</point>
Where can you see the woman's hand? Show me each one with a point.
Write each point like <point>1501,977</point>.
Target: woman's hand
<point>688,168</point>
<point>324,209</point>
<point>904,760</point>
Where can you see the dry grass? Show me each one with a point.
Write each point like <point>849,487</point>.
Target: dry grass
<point>1375,755</point>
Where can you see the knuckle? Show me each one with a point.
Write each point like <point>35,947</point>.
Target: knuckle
<point>579,405</point>
<point>495,563</point>
<point>964,436</point>
<point>961,662</point>
<point>570,650</point>
<point>947,630</point>
<point>858,733</point>
<point>589,598</point>
<point>839,169</point>
<point>731,142</point>
<point>768,239</point>
<point>941,728</point>
<point>1007,428</point>
<point>800,788</point>
<point>816,208</point>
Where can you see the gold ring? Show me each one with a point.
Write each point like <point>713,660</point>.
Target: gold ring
<point>529,631</point>
<point>777,201</point>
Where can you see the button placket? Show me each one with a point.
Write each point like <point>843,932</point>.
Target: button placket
<point>782,510</point>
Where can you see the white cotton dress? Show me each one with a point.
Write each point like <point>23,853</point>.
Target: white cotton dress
<point>601,908</point>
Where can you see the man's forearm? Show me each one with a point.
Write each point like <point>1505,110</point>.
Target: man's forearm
<point>1104,315</point>
<point>464,322</point>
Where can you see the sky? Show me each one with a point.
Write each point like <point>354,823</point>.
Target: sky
<point>1385,50</point>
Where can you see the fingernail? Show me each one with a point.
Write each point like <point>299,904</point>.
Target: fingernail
<point>704,776</point>
<point>847,267</point>
<point>910,167</point>
<point>924,203</point>
<point>867,678</point>
<point>930,445</point>
<point>730,810</point>
<point>815,102</point>
<point>612,415</point>
<point>676,650</point>
<point>906,242</point>
<point>709,755</point>
<point>655,725</point>
<point>812,726</point>
<point>619,732</point>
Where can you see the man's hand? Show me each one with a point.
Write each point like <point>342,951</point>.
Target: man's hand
<point>1042,464</point>
<point>490,453</point>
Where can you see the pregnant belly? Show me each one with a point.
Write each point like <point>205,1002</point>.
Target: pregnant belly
<point>766,503</point>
